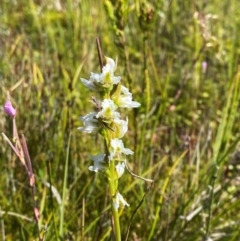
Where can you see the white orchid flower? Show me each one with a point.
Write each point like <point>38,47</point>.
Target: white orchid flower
<point>119,201</point>
<point>106,79</point>
<point>120,168</point>
<point>121,127</point>
<point>108,110</point>
<point>99,164</point>
<point>117,150</point>
<point>124,100</point>
<point>91,124</point>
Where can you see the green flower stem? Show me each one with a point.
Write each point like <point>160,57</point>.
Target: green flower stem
<point>112,181</point>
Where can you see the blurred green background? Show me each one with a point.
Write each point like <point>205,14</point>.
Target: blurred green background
<point>180,61</point>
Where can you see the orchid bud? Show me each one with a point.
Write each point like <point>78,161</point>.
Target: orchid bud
<point>9,110</point>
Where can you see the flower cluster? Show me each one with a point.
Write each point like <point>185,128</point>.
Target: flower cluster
<point>106,120</point>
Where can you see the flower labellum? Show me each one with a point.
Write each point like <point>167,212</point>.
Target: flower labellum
<point>121,127</point>
<point>124,100</point>
<point>120,168</point>
<point>91,124</point>
<point>117,150</point>
<point>108,110</point>
<point>119,201</point>
<point>98,163</point>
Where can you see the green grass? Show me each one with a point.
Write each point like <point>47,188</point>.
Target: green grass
<point>161,45</point>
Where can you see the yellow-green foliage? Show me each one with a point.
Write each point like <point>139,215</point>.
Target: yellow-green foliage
<point>180,61</point>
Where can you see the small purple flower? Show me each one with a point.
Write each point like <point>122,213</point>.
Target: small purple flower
<point>9,110</point>
<point>204,66</point>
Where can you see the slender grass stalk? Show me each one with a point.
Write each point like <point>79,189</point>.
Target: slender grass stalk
<point>51,200</point>
<point>2,225</point>
<point>64,191</point>
<point>212,186</point>
<point>158,209</point>
<point>83,218</point>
